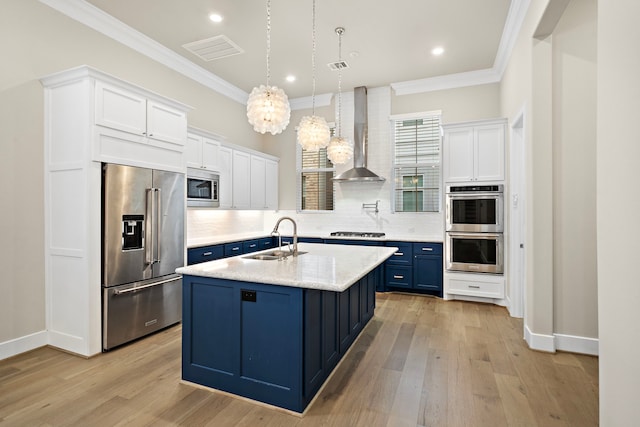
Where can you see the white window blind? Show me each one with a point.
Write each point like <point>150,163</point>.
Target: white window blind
<point>315,180</point>
<point>417,163</point>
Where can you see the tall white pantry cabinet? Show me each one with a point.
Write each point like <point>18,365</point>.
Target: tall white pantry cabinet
<point>90,118</point>
<point>474,153</point>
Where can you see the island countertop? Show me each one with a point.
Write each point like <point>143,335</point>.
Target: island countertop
<point>324,267</point>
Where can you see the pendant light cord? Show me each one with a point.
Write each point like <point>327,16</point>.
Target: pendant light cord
<point>268,41</point>
<point>339,31</point>
<point>313,59</point>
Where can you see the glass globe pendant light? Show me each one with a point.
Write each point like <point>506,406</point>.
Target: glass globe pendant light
<point>268,106</point>
<point>340,149</point>
<point>313,131</point>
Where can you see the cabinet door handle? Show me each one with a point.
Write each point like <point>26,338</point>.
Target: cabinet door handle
<point>474,286</point>
<point>398,277</point>
<point>427,249</point>
<point>207,254</point>
<point>399,254</point>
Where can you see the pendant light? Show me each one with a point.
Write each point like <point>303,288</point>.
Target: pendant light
<point>313,131</point>
<point>268,106</point>
<point>340,149</point>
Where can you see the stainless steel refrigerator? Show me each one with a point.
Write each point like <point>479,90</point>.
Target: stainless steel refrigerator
<point>142,245</point>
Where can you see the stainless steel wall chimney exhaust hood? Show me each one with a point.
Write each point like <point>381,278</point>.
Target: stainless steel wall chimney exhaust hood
<point>359,172</point>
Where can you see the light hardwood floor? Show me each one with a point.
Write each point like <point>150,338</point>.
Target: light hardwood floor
<point>421,361</point>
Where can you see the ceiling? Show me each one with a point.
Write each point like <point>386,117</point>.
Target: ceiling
<point>386,41</point>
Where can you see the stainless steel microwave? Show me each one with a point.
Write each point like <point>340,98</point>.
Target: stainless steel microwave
<point>203,188</point>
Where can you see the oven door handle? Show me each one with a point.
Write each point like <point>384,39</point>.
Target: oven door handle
<point>139,288</point>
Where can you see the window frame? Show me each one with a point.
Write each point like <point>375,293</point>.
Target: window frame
<point>397,168</point>
<point>300,171</point>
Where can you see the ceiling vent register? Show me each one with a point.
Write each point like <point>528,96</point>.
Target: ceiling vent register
<point>213,48</point>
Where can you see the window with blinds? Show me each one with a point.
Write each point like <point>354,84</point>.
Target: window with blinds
<point>417,163</point>
<point>315,180</point>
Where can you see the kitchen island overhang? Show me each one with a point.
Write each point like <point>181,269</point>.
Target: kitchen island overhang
<point>273,331</point>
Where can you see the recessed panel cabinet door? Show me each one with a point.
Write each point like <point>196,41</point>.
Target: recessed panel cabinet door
<point>258,185</point>
<point>166,124</point>
<point>458,155</point>
<point>120,109</point>
<point>241,181</point>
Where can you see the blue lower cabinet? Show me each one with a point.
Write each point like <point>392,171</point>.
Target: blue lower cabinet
<point>204,254</point>
<point>249,246</point>
<point>274,344</point>
<point>415,267</point>
<point>399,276</point>
<point>265,243</point>
<point>233,249</point>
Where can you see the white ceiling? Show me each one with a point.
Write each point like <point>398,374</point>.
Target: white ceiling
<point>393,38</point>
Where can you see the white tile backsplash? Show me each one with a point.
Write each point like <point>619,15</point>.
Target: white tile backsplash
<point>349,214</point>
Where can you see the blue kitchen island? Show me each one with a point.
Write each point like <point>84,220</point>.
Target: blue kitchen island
<point>274,330</point>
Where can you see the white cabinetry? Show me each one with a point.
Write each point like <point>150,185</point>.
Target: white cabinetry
<point>474,151</point>
<point>264,183</point>
<point>241,180</point>
<point>91,117</point>
<point>202,151</point>
<point>474,285</point>
<point>135,124</point>
<point>248,179</point>
<point>225,164</point>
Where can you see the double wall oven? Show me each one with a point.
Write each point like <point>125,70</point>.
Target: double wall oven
<point>474,228</point>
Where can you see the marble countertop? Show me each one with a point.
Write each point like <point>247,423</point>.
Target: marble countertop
<point>228,238</point>
<point>324,267</point>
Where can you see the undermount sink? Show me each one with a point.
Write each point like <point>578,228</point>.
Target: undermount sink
<point>277,254</point>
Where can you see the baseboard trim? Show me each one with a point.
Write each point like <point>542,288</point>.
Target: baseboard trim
<point>538,341</point>
<point>561,342</point>
<point>23,344</point>
<point>575,344</point>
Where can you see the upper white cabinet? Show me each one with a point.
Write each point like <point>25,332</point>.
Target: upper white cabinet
<point>202,152</point>
<point>248,179</point>
<point>474,152</point>
<point>241,180</point>
<point>128,111</point>
<point>264,183</point>
<point>225,170</point>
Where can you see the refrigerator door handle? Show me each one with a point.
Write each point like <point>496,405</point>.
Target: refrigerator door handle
<point>139,288</point>
<point>149,212</point>
<point>158,222</point>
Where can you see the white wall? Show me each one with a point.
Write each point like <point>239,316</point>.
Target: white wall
<point>575,296</point>
<point>35,40</point>
<point>618,204</point>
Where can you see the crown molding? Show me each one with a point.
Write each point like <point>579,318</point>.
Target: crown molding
<point>304,103</point>
<point>515,17</point>
<point>450,81</point>
<point>106,24</point>
<point>94,18</point>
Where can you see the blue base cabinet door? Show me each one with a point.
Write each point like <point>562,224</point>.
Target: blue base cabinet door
<point>244,338</point>
<point>427,267</point>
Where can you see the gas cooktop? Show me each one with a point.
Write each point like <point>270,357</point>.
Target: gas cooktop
<point>357,234</point>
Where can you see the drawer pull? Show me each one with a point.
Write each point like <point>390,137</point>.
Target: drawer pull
<point>399,254</point>
<point>398,277</point>
<point>235,249</point>
<point>207,254</point>
<point>474,286</point>
<point>253,246</point>
<point>427,249</point>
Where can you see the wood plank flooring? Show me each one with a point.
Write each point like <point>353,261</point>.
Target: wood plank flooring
<point>421,361</point>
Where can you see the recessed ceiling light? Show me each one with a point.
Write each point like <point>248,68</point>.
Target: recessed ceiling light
<point>437,51</point>
<point>215,17</point>
<point>291,78</point>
